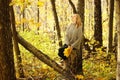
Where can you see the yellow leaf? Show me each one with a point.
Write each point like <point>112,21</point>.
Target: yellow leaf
<point>39,3</point>
<point>18,23</point>
<point>79,77</point>
<point>38,24</point>
<point>23,20</point>
<point>67,51</point>
<point>12,3</point>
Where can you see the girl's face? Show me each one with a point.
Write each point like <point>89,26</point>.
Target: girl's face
<point>74,18</point>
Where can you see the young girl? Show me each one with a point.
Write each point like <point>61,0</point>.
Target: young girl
<point>73,39</point>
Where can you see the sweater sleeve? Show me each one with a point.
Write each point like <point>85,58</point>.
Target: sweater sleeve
<point>67,36</point>
<point>79,39</point>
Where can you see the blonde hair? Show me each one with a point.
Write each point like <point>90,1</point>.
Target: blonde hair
<point>78,20</point>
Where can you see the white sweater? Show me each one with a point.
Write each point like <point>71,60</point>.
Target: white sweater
<point>73,36</point>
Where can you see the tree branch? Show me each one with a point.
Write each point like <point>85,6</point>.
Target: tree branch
<point>73,6</point>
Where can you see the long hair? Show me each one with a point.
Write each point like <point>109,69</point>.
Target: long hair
<point>78,20</point>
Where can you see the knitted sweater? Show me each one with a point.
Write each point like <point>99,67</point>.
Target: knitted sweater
<point>73,36</point>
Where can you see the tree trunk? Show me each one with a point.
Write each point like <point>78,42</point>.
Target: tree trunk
<point>98,23</point>
<point>107,9</point>
<point>16,47</point>
<point>38,12</point>
<point>80,9</point>
<point>23,17</point>
<point>44,58</point>
<point>57,22</point>
<point>7,70</point>
<point>110,38</point>
<point>73,6</point>
<point>118,34</point>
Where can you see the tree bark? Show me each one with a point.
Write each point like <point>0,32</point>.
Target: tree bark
<point>118,34</point>
<point>7,70</point>
<point>44,58</point>
<point>57,22</point>
<point>98,23</point>
<point>38,15</point>
<point>80,9</point>
<point>23,17</point>
<point>16,47</point>
<point>73,6</point>
<point>110,38</point>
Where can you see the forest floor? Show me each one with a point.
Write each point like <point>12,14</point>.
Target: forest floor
<point>98,67</point>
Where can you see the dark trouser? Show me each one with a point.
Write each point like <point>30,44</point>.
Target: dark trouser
<point>71,62</point>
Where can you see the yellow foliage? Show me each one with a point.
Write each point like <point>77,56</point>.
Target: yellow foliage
<point>24,20</point>
<point>79,77</point>
<point>18,23</point>
<point>67,51</point>
<point>39,3</point>
<point>12,3</point>
<point>38,24</point>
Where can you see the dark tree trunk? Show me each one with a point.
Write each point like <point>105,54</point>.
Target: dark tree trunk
<point>98,23</point>
<point>73,6</point>
<point>16,47</point>
<point>110,39</point>
<point>44,58</point>
<point>7,70</point>
<point>80,9</point>
<point>57,22</point>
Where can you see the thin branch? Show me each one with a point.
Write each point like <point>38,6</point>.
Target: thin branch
<point>73,6</point>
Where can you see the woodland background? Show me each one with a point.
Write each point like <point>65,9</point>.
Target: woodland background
<point>42,23</point>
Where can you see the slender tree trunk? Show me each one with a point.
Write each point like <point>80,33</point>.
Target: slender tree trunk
<point>7,70</point>
<point>107,9</point>
<point>23,17</point>
<point>98,23</point>
<point>73,6</point>
<point>16,47</point>
<point>57,22</point>
<point>110,37</point>
<point>44,58</point>
<point>118,34</point>
<point>38,12</point>
<point>80,9</point>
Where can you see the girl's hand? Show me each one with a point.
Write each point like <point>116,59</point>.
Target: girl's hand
<point>67,51</point>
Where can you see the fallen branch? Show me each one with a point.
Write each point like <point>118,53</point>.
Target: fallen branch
<point>44,58</point>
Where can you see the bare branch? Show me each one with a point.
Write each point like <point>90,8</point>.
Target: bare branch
<point>73,6</point>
